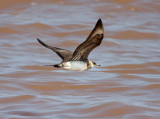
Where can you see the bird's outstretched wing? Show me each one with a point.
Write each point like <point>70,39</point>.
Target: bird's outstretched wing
<point>93,40</point>
<point>64,54</point>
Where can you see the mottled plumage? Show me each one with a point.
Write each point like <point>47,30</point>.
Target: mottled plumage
<point>78,60</point>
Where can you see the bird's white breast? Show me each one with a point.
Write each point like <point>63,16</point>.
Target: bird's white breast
<point>75,65</point>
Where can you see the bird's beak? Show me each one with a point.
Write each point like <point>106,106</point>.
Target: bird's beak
<point>98,65</point>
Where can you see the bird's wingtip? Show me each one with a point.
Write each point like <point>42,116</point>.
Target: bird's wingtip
<point>100,20</point>
<point>38,39</point>
<point>99,24</point>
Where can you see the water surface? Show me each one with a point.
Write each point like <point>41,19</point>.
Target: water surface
<point>126,86</point>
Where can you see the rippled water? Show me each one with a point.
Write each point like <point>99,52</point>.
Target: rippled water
<point>126,86</point>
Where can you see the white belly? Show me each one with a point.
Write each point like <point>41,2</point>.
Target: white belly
<point>75,65</point>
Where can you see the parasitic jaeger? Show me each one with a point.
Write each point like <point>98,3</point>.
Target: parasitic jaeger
<point>78,60</point>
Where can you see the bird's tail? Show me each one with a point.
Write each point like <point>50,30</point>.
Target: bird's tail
<point>54,65</point>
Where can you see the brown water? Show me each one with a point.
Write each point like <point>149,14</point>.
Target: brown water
<point>126,86</point>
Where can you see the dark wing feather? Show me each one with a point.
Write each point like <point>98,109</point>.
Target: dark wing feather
<point>93,40</point>
<point>64,54</point>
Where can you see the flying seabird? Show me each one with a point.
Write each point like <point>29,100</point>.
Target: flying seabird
<point>78,60</point>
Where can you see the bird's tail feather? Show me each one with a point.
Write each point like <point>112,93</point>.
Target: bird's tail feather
<point>54,65</point>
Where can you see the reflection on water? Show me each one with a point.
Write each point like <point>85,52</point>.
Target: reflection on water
<point>127,85</point>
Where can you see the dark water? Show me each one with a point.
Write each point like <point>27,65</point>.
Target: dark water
<point>126,86</point>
